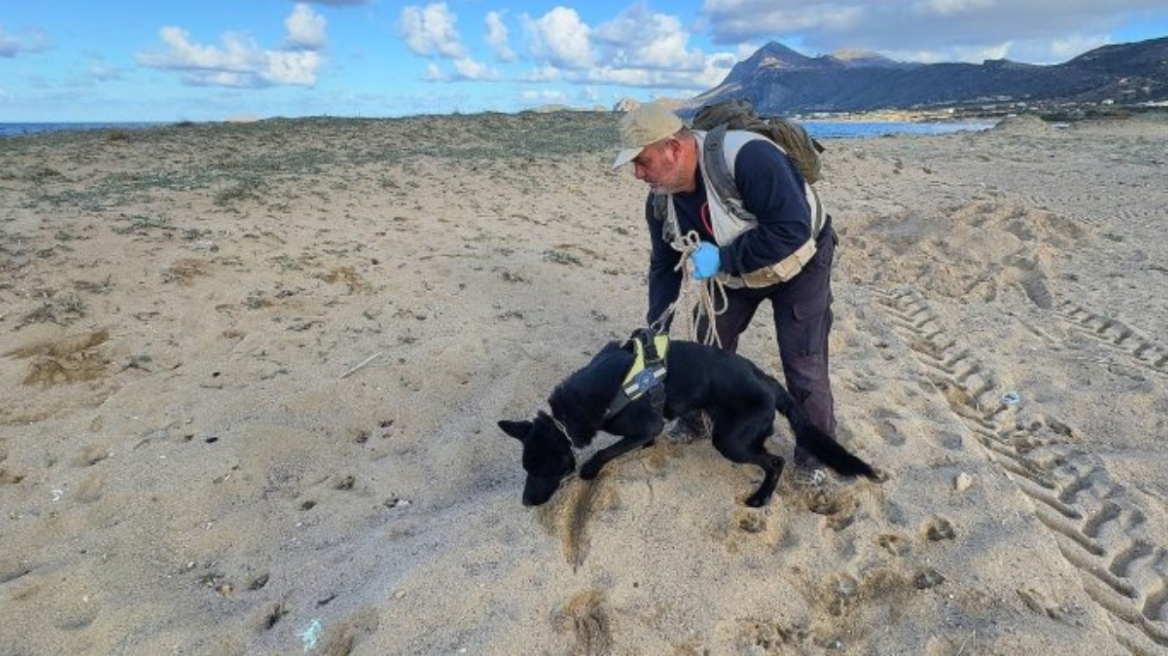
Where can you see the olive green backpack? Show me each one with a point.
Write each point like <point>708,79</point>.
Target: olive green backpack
<point>738,114</point>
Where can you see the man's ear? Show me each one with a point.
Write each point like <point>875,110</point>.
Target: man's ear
<point>517,429</point>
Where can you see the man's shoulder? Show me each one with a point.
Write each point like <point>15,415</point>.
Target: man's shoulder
<point>746,148</point>
<point>740,138</point>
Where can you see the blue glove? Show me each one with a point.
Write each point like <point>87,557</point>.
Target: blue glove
<point>705,260</point>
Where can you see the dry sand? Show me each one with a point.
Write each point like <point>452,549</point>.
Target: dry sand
<point>193,459</point>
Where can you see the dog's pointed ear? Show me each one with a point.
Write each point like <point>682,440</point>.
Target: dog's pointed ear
<point>517,429</point>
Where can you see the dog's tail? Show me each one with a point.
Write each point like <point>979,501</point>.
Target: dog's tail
<point>813,439</point>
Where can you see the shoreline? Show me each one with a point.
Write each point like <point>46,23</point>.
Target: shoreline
<point>958,114</point>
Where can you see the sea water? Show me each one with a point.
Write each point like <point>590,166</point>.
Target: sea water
<point>15,129</point>
<point>860,129</point>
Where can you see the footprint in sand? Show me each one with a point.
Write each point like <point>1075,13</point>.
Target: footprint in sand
<point>936,529</point>
<point>586,616</point>
<point>773,637</point>
<point>272,616</point>
<point>895,544</point>
<point>890,433</point>
<point>90,489</point>
<point>753,527</point>
<point>14,570</point>
<point>10,476</point>
<point>837,505</point>
<point>93,454</point>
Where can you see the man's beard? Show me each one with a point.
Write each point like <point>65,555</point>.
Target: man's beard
<point>670,185</point>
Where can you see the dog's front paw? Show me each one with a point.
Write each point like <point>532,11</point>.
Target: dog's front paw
<point>757,500</point>
<point>590,470</point>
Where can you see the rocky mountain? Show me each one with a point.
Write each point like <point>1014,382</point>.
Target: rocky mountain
<point>778,80</point>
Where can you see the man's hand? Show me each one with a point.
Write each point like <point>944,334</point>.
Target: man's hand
<point>705,260</point>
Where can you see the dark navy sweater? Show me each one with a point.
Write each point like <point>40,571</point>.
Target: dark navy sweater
<point>771,189</point>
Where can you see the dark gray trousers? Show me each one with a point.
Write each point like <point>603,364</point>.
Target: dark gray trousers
<point>803,318</point>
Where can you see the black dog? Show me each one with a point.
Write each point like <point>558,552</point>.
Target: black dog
<point>740,398</point>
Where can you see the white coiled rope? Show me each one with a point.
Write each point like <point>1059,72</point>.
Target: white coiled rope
<point>696,298</point>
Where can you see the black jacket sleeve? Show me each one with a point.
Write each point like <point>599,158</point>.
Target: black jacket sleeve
<point>772,190</point>
<point>664,276</point>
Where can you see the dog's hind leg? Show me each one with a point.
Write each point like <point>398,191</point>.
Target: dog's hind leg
<point>772,467</point>
<point>743,444</point>
<point>810,437</point>
<point>591,469</point>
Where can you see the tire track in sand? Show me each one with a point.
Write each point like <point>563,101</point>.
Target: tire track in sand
<point>1117,335</point>
<point>1099,528</point>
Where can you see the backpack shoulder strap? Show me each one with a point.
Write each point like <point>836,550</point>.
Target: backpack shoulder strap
<point>660,207</point>
<point>714,160</point>
<point>718,171</point>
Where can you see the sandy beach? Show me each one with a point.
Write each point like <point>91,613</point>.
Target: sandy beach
<point>252,373</point>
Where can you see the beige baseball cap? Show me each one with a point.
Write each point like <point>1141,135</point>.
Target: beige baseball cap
<point>644,126</point>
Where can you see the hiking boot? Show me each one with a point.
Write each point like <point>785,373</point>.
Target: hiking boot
<point>806,471</point>
<point>689,427</point>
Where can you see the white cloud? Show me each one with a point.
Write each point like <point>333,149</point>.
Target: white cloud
<point>955,7</point>
<point>9,47</point>
<point>544,74</point>
<point>293,67</point>
<point>469,69</point>
<point>639,38</point>
<point>305,28</point>
<point>430,31</point>
<point>1071,47</point>
<point>696,82</point>
<point>101,72</point>
<point>544,97</point>
<point>560,38</point>
<point>13,45</point>
<point>240,62</point>
<point>1033,31</point>
<point>638,48</point>
<point>497,37</point>
<point>238,53</point>
<point>733,21</point>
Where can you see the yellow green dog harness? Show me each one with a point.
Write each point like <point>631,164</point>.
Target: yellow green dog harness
<point>646,375</point>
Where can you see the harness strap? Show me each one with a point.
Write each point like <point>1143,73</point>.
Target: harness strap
<point>653,347</point>
<point>646,374</point>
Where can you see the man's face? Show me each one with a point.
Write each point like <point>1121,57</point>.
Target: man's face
<point>659,166</point>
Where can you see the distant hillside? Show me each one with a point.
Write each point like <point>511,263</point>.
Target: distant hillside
<point>778,80</point>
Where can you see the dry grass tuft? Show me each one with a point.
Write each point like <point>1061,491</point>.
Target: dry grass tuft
<point>61,310</point>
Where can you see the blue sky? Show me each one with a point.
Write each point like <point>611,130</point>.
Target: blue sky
<point>77,60</point>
